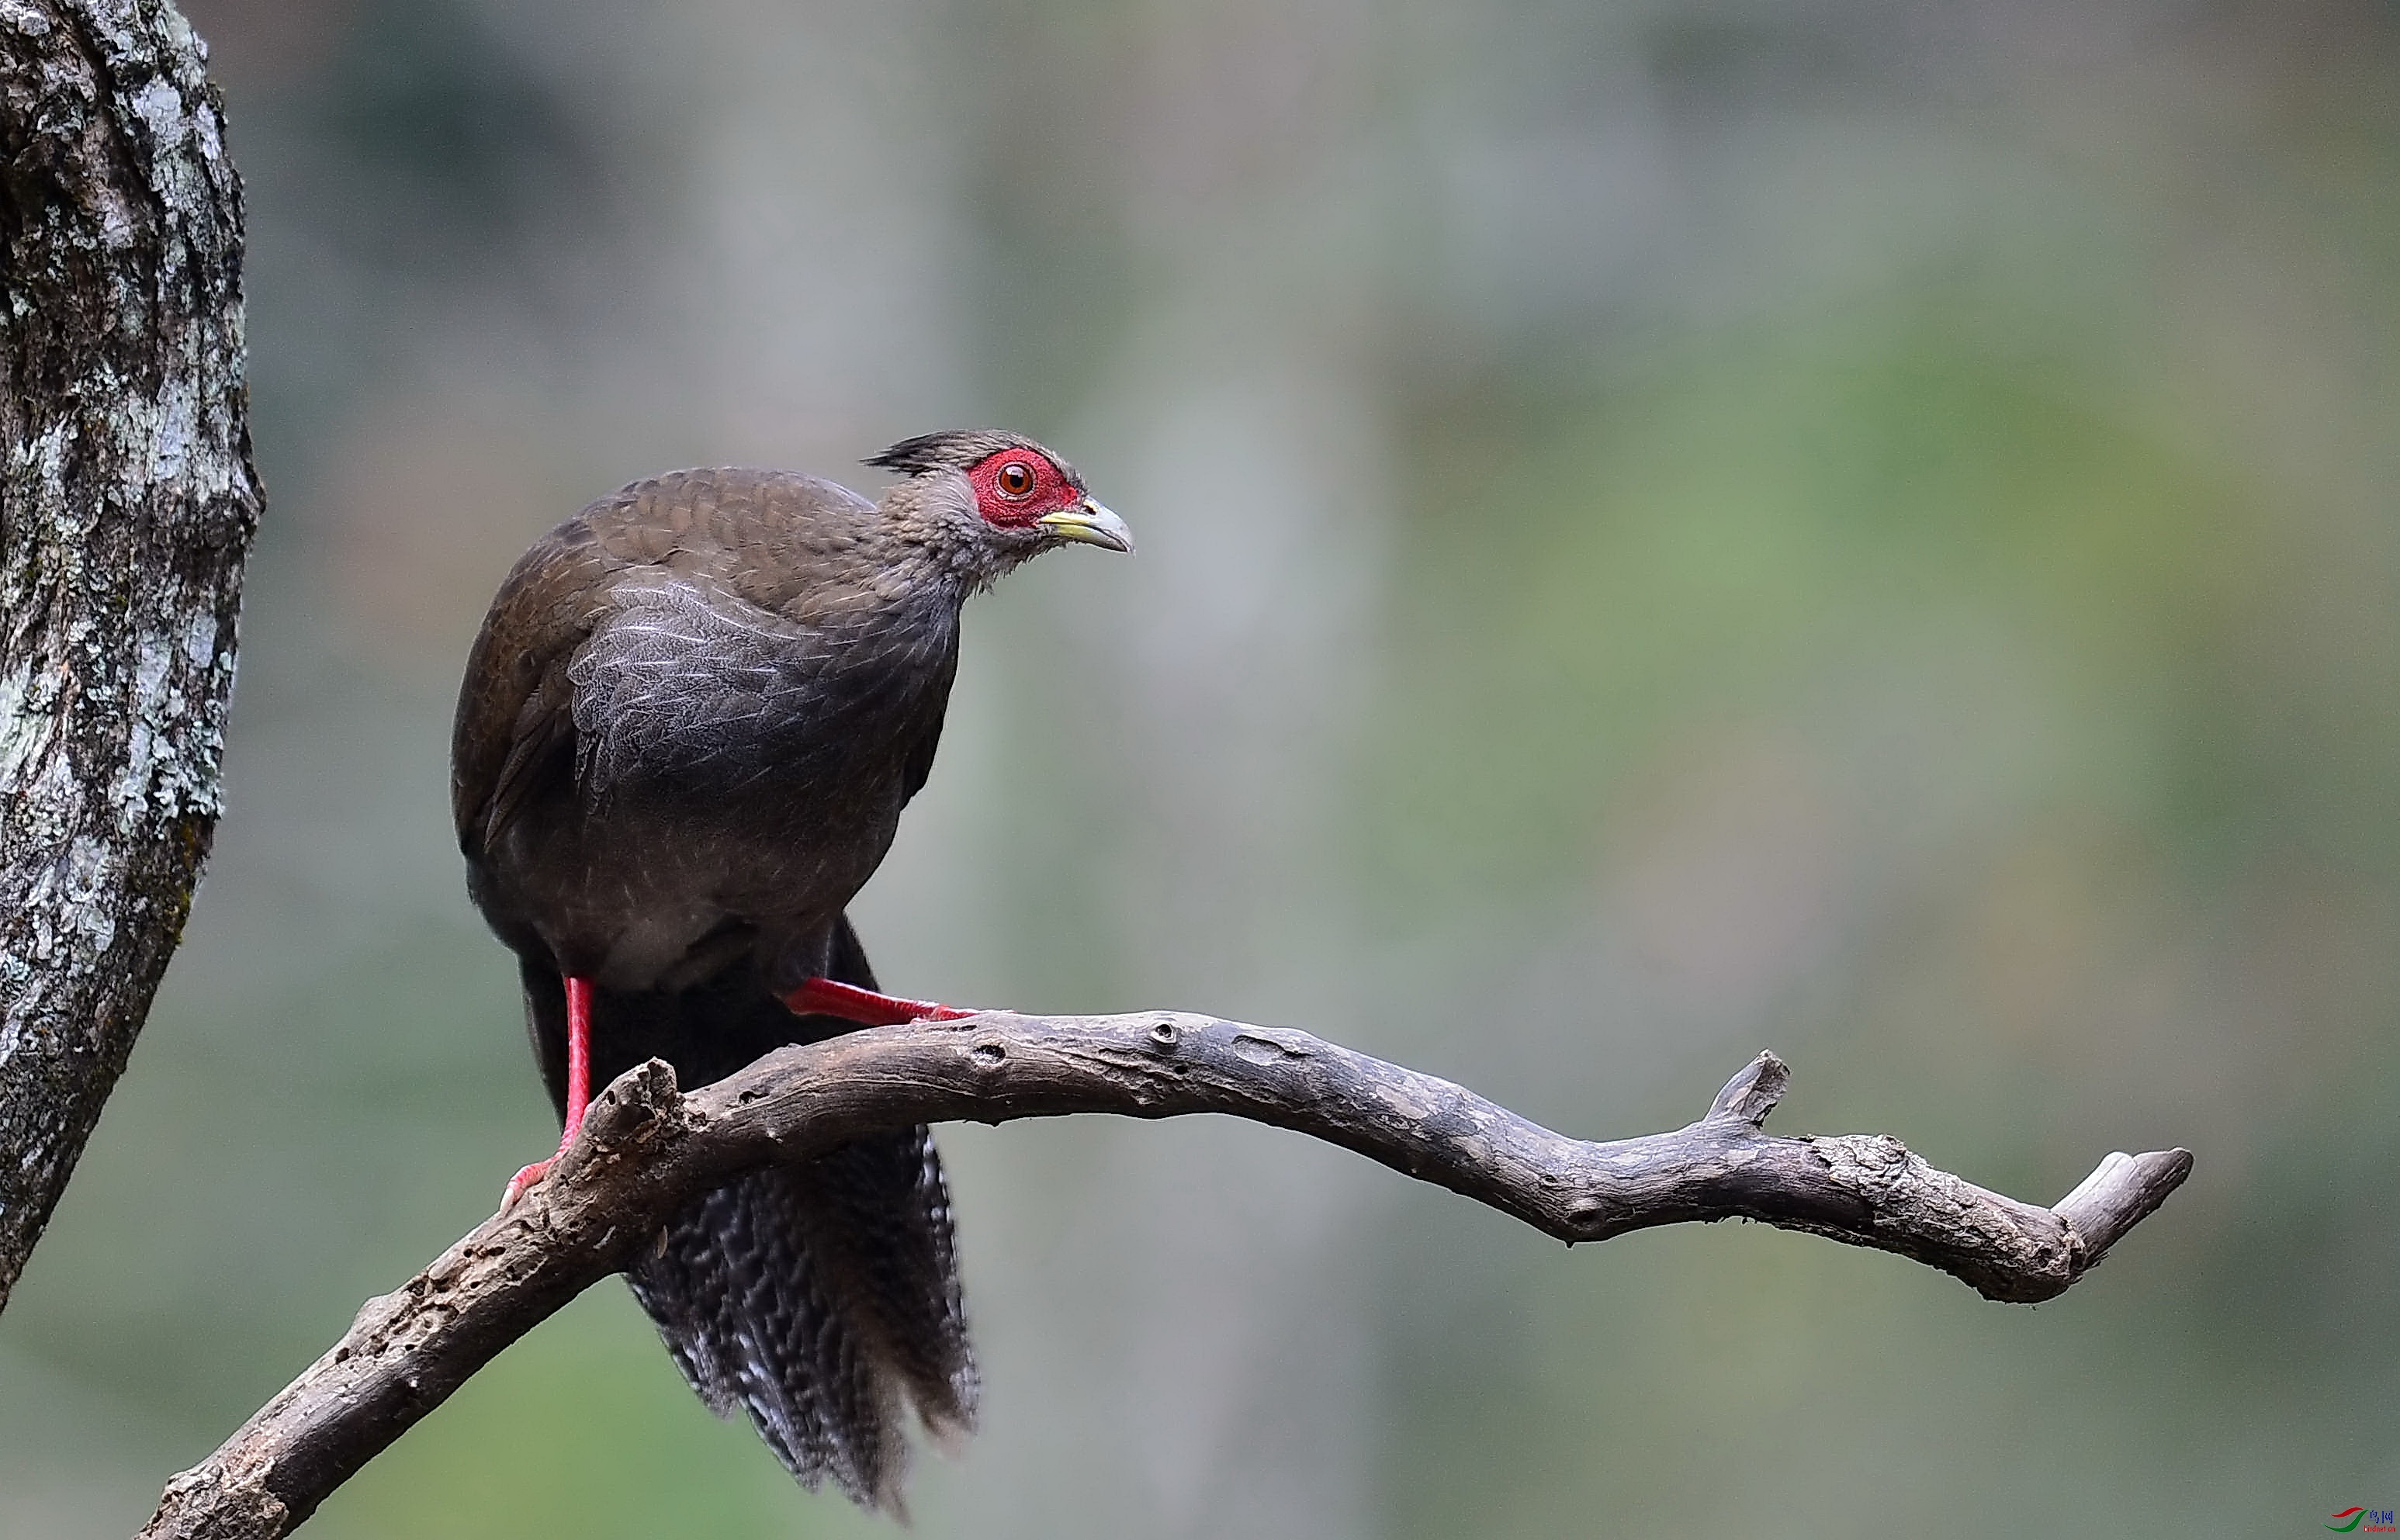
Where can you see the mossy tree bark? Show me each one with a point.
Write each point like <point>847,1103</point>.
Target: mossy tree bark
<point>127,506</point>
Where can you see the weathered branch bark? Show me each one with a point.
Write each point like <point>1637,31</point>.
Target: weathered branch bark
<point>127,505</point>
<point>645,1149</point>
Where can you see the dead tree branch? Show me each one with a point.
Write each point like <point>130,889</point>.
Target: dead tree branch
<point>127,504</point>
<point>645,1149</point>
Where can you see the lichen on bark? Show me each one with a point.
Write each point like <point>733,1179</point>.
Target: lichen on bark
<point>127,506</point>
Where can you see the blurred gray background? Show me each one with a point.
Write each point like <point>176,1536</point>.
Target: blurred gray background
<point>1856,526</point>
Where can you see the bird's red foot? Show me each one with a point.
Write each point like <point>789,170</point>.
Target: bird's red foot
<point>822,996</point>
<point>579,1087</point>
<point>524,1179</point>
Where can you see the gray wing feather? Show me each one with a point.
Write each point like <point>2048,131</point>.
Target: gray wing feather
<point>689,684</point>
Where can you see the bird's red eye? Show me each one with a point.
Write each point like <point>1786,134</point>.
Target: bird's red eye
<point>1015,479</point>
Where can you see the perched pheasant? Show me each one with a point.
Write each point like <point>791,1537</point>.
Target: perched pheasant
<point>687,733</point>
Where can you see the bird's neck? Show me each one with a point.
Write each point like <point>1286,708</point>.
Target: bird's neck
<point>939,542</point>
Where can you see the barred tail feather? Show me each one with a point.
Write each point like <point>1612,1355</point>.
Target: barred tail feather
<point>822,1299</point>
<point>797,1297</point>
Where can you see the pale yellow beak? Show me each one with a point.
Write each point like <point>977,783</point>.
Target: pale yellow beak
<point>1088,525</point>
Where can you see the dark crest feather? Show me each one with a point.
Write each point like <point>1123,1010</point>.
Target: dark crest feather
<point>959,449</point>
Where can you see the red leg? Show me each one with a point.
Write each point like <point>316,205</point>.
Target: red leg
<point>579,1055</point>
<point>578,1084</point>
<point>822,996</point>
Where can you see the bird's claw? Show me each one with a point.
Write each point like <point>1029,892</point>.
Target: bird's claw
<point>866,1007</point>
<point>525,1178</point>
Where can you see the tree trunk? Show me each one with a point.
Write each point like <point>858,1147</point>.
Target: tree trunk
<point>127,505</point>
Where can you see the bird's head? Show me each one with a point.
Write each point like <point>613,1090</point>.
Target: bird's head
<point>989,499</point>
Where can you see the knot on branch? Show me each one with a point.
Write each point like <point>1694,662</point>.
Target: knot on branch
<point>644,1107</point>
<point>1753,1092</point>
<point>206,1503</point>
<point>2122,1194</point>
<point>631,1125</point>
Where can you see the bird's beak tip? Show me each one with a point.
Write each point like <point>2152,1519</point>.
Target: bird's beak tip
<point>1088,522</point>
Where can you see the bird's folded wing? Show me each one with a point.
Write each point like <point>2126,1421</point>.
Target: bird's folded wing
<point>543,734</point>
<point>686,684</point>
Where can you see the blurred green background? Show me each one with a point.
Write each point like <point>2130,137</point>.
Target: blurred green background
<point>1859,526</point>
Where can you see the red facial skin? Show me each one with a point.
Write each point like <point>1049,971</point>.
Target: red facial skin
<point>1045,488</point>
